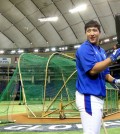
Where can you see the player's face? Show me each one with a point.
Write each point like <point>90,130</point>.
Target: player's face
<point>93,34</point>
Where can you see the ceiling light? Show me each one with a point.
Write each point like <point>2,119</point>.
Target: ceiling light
<point>13,51</point>
<point>114,38</point>
<point>1,51</point>
<point>53,49</point>
<point>78,9</point>
<point>48,19</point>
<point>47,50</point>
<point>66,48</point>
<point>76,46</point>
<point>60,48</point>
<point>63,48</point>
<point>20,51</point>
<point>106,40</point>
<point>36,50</point>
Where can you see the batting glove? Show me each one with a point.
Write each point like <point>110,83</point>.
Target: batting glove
<point>115,55</point>
<point>116,81</point>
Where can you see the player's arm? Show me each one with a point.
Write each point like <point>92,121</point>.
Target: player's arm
<point>109,78</point>
<point>100,66</point>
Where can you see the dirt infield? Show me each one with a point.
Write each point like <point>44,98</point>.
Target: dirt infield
<point>23,119</point>
<point>112,117</point>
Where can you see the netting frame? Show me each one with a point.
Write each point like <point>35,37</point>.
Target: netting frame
<point>60,109</point>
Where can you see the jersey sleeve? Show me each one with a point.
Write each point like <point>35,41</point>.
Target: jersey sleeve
<point>86,56</point>
<point>107,70</point>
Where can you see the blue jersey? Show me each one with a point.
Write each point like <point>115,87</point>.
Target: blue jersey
<point>87,55</point>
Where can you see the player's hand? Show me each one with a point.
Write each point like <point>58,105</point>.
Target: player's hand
<point>115,55</point>
<point>117,82</point>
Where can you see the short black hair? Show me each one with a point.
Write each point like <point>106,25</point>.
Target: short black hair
<point>92,23</point>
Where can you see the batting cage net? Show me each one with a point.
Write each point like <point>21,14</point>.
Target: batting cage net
<point>47,88</point>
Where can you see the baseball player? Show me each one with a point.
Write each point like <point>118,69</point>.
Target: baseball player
<point>92,73</point>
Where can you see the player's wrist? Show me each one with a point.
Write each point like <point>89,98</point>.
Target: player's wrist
<point>114,81</point>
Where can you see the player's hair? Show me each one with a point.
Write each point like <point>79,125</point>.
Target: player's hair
<point>92,23</point>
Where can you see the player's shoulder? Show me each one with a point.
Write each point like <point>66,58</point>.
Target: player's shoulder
<point>84,46</point>
<point>103,50</point>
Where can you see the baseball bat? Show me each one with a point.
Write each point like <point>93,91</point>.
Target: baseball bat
<point>105,130</point>
<point>117,25</point>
